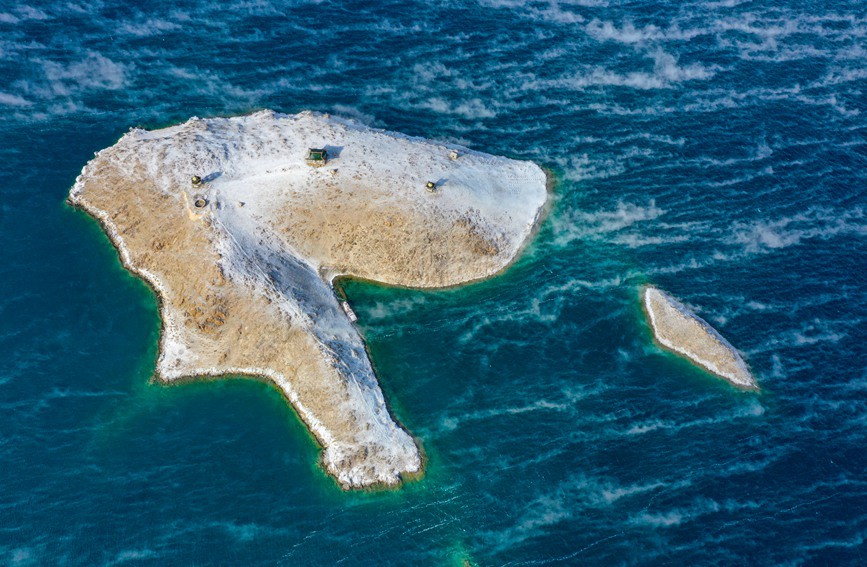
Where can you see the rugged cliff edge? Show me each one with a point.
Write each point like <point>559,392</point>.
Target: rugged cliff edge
<point>243,261</point>
<point>680,330</point>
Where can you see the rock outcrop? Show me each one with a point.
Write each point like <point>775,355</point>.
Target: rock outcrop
<point>243,259</point>
<point>680,330</point>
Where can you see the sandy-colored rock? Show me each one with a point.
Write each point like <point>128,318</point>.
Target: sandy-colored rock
<point>680,330</point>
<point>243,263</point>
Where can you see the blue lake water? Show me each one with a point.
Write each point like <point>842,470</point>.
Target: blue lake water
<point>715,149</point>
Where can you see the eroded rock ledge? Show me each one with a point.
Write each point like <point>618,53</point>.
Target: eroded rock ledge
<point>243,262</point>
<point>680,330</point>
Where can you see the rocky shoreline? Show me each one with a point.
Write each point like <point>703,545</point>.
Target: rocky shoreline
<point>681,331</point>
<point>242,258</point>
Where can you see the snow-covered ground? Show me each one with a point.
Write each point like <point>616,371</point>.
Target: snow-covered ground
<point>280,230</point>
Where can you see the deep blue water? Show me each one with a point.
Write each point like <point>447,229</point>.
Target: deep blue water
<point>716,149</point>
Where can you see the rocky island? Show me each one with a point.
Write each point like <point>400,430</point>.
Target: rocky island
<point>681,331</point>
<point>242,237</point>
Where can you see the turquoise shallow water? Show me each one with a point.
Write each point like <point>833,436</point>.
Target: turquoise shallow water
<point>716,149</point>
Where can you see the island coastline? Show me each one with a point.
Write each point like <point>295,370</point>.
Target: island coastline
<point>692,350</point>
<point>168,333</point>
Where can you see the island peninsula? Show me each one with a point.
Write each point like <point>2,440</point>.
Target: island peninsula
<point>243,257</point>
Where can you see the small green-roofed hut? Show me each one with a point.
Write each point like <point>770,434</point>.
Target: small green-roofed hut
<point>317,157</point>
